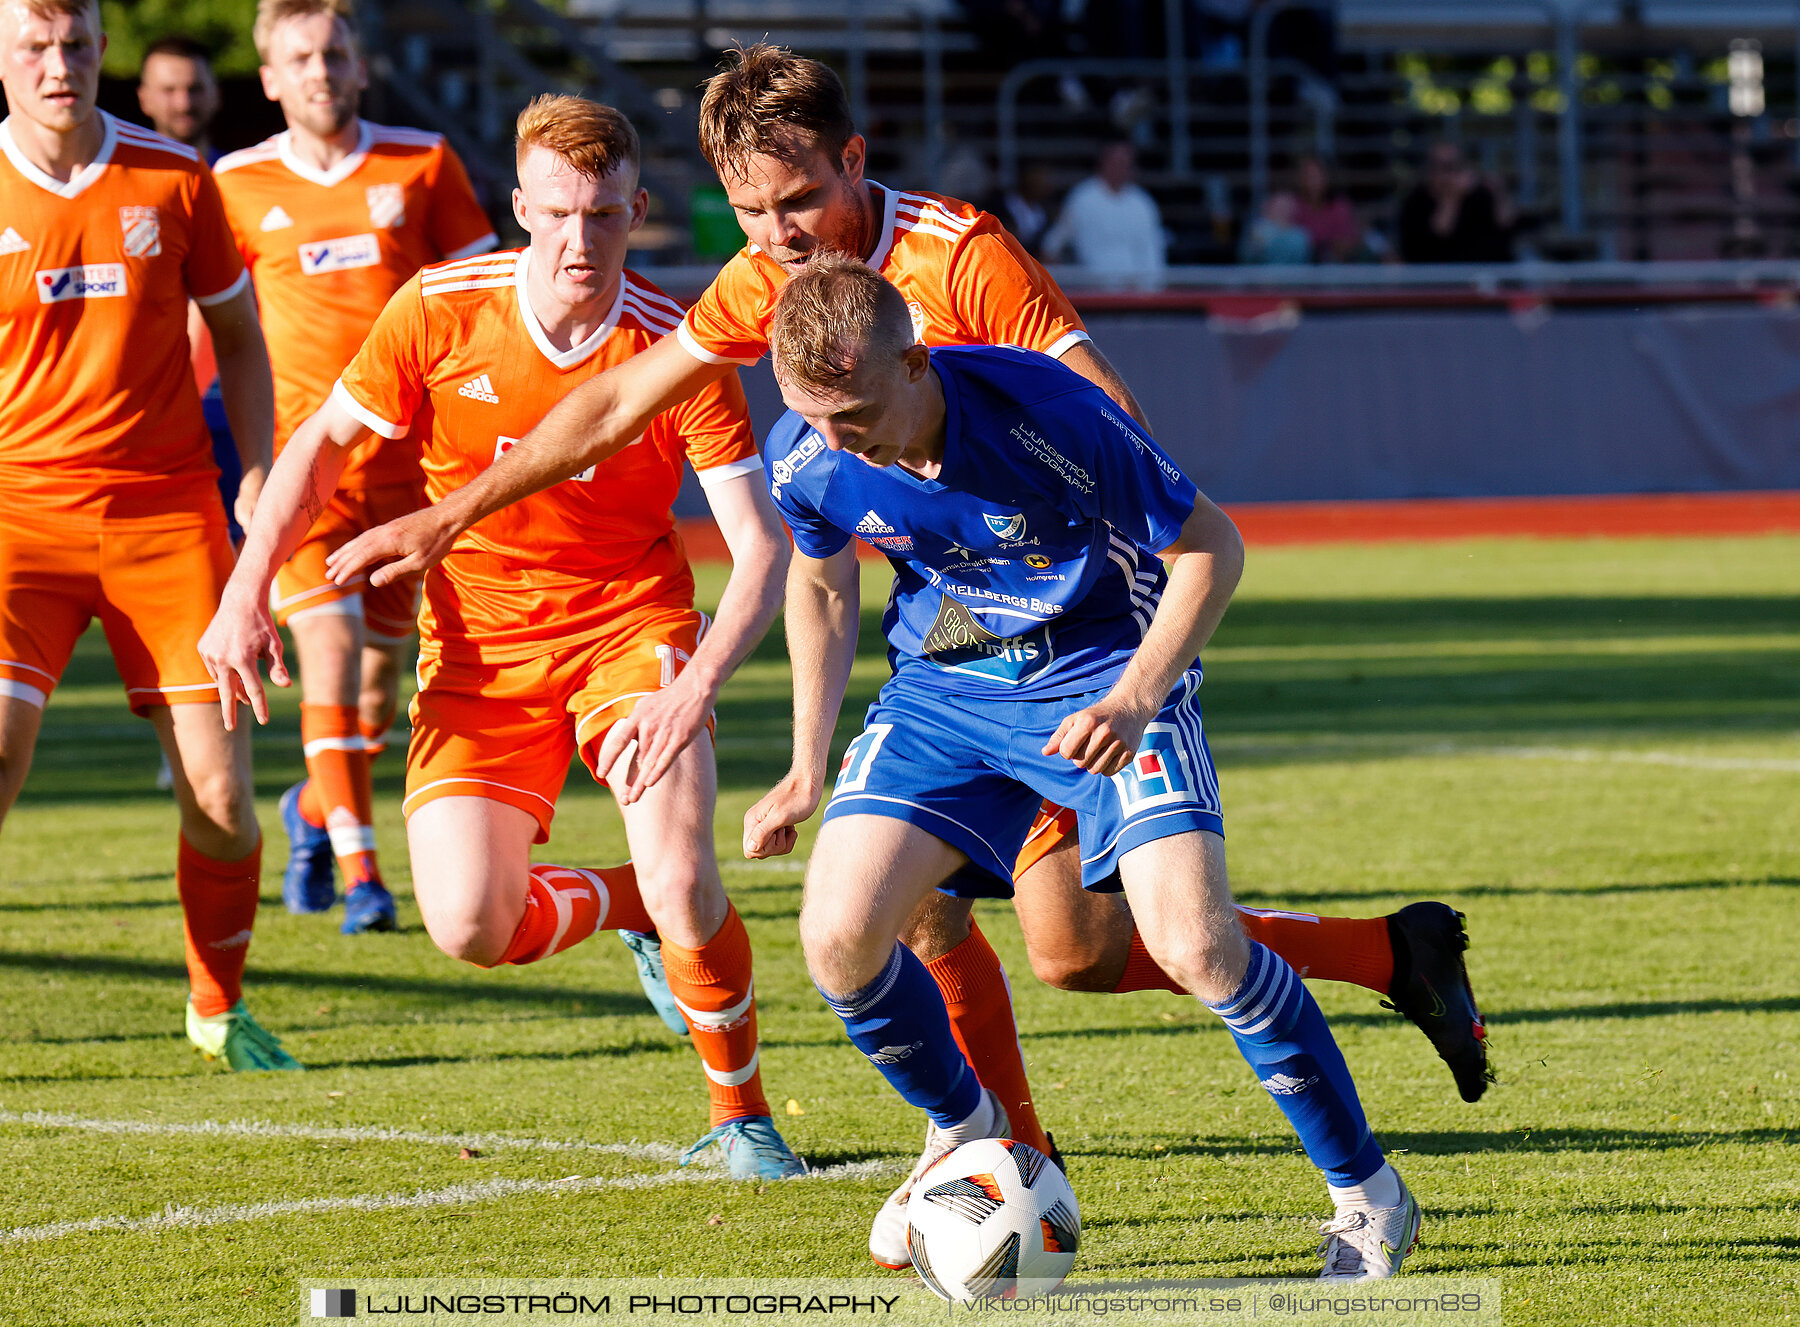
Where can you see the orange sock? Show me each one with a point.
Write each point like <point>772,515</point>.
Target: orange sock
<point>1357,950</point>
<point>218,910</point>
<point>714,987</point>
<point>337,770</point>
<point>981,1018</point>
<point>564,905</point>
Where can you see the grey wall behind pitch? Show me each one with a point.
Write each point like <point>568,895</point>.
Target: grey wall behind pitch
<point>1459,403</point>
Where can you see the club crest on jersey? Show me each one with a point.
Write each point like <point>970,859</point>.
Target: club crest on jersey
<point>1007,527</point>
<point>387,205</point>
<point>504,445</point>
<point>918,317</point>
<point>340,255</point>
<point>143,231</point>
<point>93,281</point>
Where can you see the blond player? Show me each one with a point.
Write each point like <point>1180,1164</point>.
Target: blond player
<point>777,130</point>
<point>546,630</point>
<point>106,231</point>
<point>332,216</point>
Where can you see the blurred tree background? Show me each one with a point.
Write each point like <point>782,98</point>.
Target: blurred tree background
<point>224,25</point>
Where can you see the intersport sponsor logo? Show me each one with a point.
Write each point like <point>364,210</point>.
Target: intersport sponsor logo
<point>341,254</point>
<point>92,281</point>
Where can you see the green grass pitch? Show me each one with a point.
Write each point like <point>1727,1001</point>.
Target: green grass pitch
<point>1588,746</point>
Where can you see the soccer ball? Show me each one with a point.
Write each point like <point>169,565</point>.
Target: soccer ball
<point>993,1220</point>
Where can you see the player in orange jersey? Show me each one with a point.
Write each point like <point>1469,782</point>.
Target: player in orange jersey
<point>332,216</point>
<point>106,231</point>
<point>777,129</point>
<point>548,629</point>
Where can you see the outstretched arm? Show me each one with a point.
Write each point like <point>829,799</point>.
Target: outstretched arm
<point>1204,563</point>
<point>664,723</point>
<point>242,633</point>
<point>824,599</point>
<point>602,416</point>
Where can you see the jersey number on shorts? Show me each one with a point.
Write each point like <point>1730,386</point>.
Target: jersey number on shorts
<point>1159,775</point>
<point>853,774</point>
<point>671,660</point>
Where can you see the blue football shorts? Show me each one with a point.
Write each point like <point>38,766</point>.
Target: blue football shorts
<point>969,771</point>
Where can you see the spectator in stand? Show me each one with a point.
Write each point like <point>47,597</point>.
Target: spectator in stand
<point>1277,235</point>
<point>1325,214</point>
<point>1025,207</point>
<point>1112,224</point>
<point>1454,215</point>
<point>178,94</point>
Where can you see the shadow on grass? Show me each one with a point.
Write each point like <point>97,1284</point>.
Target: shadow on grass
<point>1464,1142</point>
<point>1290,898</point>
<point>597,1001</point>
<point>502,1057</point>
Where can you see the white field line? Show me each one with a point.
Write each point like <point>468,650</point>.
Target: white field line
<point>352,1134</point>
<point>1589,755</point>
<point>174,1217</point>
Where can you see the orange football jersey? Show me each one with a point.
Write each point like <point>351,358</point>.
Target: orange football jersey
<point>967,281</point>
<point>459,358</point>
<point>326,249</point>
<point>99,416</point>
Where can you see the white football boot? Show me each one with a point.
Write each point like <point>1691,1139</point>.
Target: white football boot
<point>887,1237</point>
<point>1369,1244</point>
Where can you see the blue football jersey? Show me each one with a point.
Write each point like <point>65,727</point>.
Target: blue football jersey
<point>1030,563</point>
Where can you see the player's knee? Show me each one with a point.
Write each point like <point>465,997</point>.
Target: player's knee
<point>840,957</point>
<point>1208,962</point>
<point>222,820</point>
<point>1064,970</point>
<point>468,939</point>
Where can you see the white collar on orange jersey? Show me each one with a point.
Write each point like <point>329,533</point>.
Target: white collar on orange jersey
<point>284,145</point>
<point>82,178</point>
<point>575,354</point>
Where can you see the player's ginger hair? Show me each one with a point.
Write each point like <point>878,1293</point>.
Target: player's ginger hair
<point>593,138</point>
<point>271,14</point>
<point>769,101</point>
<point>835,314</point>
<point>51,8</point>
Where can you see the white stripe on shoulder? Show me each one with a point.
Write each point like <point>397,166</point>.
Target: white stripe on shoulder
<point>933,209</point>
<point>137,137</point>
<point>247,156</point>
<point>921,228</point>
<point>654,297</point>
<point>654,319</point>
<point>473,283</point>
<point>461,266</point>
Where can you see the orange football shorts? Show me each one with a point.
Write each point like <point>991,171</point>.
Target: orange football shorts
<point>154,591</point>
<point>302,589</point>
<point>507,731</point>
<point>1053,824</point>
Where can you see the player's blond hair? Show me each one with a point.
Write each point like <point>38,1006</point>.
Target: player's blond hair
<point>769,101</point>
<point>271,14</point>
<point>73,8</point>
<point>834,315</point>
<point>593,138</point>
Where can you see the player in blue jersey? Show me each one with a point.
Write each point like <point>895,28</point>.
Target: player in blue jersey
<point>1056,576</point>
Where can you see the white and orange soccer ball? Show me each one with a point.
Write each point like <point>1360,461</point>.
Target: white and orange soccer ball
<point>993,1220</point>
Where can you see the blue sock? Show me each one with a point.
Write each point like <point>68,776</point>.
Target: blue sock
<point>899,1022</point>
<point>1281,1032</point>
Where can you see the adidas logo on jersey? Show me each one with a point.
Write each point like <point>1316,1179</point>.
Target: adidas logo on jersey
<point>13,242</point>
<point>479,389</point>
<point>276,218</point>
<point>873,524</point>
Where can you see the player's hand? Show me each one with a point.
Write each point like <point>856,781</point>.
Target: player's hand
<point>240,636</point>
<point>770,826</point>
<point>662,724</point>
<point>415,542</point>
<point>1101,739</point>
<point>249,493</point>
